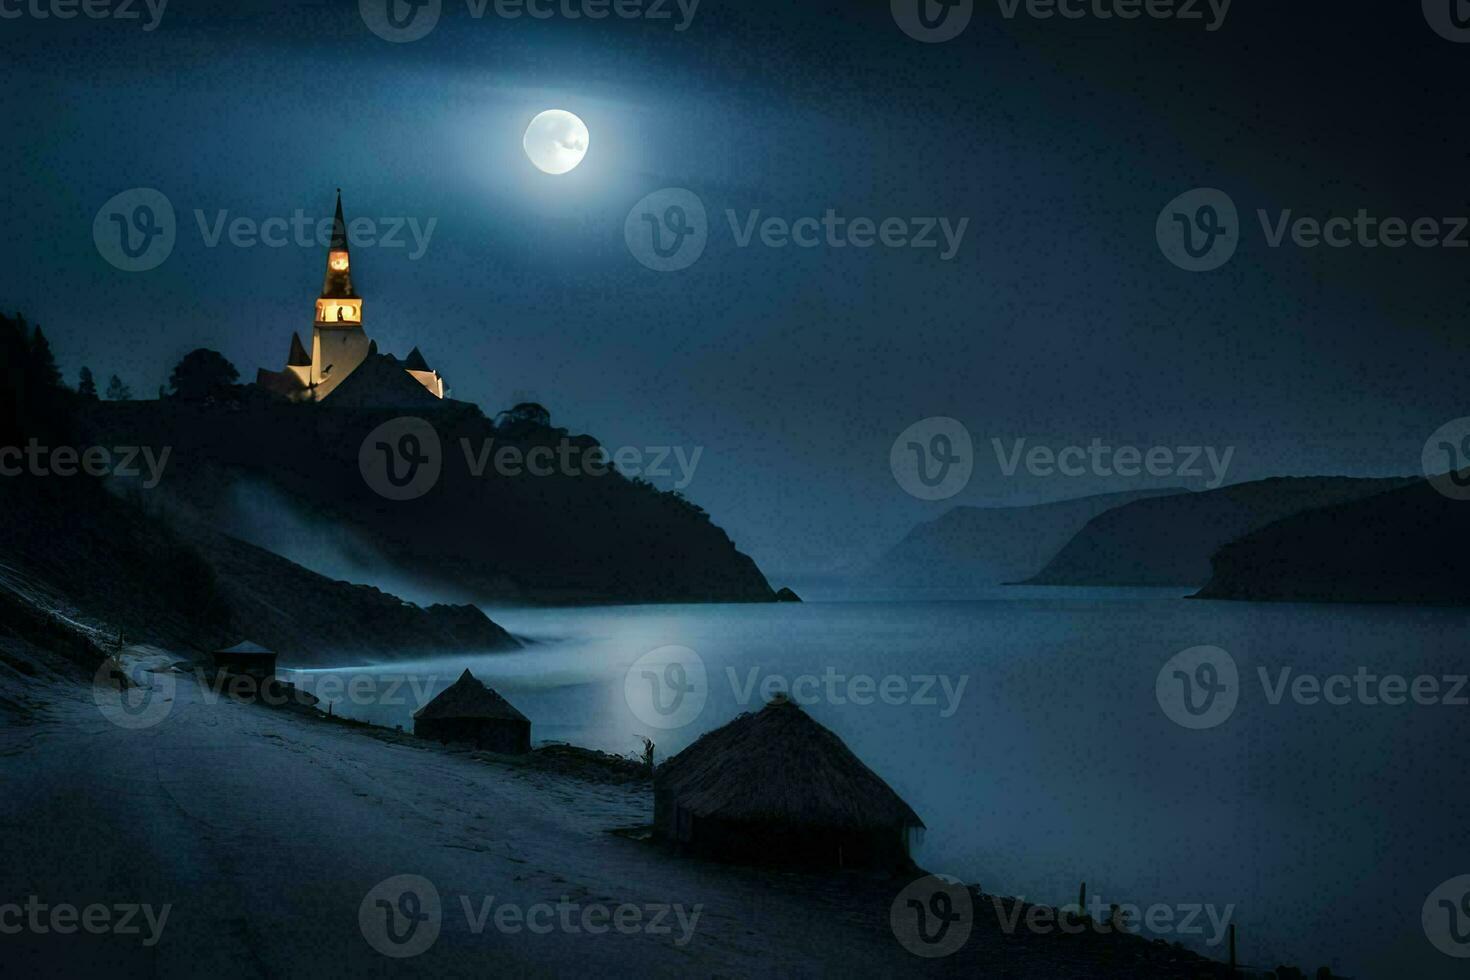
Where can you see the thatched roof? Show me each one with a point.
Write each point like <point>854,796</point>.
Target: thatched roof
<point>778,765</point>
<point>246,647</point>
<point>468,698</point>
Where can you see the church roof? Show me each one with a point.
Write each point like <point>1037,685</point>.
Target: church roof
<point>415,361</point>
<point>282,383</point>
<point>298,356</point>
<point>380,381</point>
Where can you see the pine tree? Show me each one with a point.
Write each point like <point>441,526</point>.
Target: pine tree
<point>117,391</point>
<point>43,362</point>
<point>86,385</point>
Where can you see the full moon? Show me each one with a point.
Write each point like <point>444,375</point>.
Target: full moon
<point>556,141</point>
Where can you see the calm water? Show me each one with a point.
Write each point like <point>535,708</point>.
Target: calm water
<point>1325,826</point>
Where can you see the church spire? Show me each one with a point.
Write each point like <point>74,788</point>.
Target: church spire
<point>339,227</point>
<point>338,281</point>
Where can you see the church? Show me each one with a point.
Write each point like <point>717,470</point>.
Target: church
<point>343,363</point>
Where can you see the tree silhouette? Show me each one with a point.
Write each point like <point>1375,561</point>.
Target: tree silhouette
<point>43,362</point>
<point>201,374</point>
<point>117,391</point>
<point>525,413</point>
<point>86,385</point>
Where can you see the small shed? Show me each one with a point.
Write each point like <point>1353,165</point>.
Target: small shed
<point>468,711</point>
<point>246,658</point>
<point>777,787</point>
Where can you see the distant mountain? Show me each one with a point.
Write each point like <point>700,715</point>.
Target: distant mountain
<point>992,545</point>
<point>1407,545</point>
<point>1170,540</point>
<point>541,530</point>
<point>70,550</point>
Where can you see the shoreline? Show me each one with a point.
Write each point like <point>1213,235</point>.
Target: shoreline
<point>291,811</point>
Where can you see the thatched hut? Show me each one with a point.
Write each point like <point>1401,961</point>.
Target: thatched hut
<point>246,658</point>
<point>775,786</point>
<point>468,711</point>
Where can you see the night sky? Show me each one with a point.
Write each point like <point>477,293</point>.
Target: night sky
<point>1059,319</point>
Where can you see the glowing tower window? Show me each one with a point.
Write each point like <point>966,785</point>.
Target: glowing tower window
<point>339,311</point>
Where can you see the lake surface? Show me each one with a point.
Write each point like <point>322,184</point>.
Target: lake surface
<point>1325,826</point>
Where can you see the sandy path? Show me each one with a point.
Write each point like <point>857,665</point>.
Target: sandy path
<point>265,831</point>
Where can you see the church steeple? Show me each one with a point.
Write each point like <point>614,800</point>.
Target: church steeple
<point>339,302</point>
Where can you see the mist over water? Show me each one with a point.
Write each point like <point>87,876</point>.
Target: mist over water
<point>265,517</point>
<point>1057,764</point>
